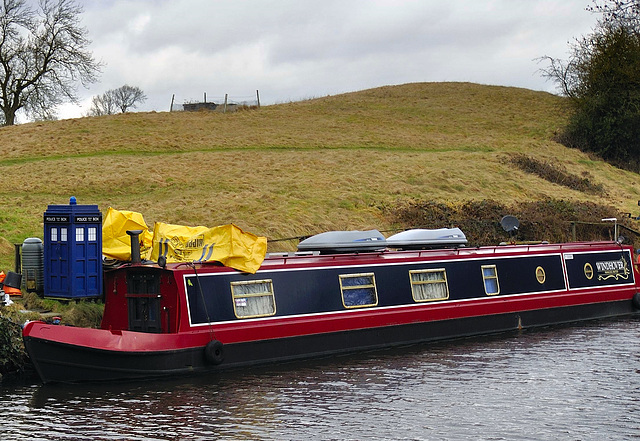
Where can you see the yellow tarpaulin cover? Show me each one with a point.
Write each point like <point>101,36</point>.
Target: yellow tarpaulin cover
<point>226,244</point>
<point>116,243</point>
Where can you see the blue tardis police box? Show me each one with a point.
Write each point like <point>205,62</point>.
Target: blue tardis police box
<point>72,251</point>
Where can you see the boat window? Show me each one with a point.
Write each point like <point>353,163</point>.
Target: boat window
<point>588,271</point>
<point>540,275</point>
<point>253,298</point>
<point>358,290</point>
<point>490,277</point>
<point>143,282</point>
<point>428,285</point>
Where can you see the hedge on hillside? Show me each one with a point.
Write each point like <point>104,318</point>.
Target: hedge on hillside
<point>553,220</point>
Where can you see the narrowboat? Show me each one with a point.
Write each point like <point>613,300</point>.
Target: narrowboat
<point>340,293</point>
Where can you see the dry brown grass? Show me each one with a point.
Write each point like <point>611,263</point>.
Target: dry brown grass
<point>298,168</point>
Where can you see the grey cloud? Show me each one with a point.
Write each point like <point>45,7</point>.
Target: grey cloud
<point>293,49</point>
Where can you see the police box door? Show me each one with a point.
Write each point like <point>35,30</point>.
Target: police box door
<point>87,266</point>
<point>57,268</point>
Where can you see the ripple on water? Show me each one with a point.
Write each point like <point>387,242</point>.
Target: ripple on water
<point>579,382</point>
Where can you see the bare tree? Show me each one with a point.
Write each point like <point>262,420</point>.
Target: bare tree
<point>123,98</point>
<point>618,11</point>
<point>127,97</point>
<point>103,104</point>
<point>43,56</point>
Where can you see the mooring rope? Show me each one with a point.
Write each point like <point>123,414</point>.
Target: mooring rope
<point>204,303</point>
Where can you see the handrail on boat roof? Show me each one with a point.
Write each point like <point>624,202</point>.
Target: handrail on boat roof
<point>286,257</point>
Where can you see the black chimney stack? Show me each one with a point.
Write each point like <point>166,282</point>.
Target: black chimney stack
<point>135,245</point>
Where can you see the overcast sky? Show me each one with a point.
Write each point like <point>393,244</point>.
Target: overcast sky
<point>292,50</point>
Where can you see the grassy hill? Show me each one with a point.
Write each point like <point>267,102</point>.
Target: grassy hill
<point>299,168</point>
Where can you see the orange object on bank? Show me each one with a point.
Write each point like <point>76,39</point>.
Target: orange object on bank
<point>8,289</point>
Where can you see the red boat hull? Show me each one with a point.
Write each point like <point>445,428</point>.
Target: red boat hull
<point>184,319</point>
<point>68,354</point>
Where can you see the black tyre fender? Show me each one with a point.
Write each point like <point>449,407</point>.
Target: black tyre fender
<point>636,300</point>
<point>214,352</point>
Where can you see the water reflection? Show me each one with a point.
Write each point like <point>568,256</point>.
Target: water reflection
<point>558,383</point>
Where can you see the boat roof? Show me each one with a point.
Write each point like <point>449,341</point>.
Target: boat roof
<point>316,258</point>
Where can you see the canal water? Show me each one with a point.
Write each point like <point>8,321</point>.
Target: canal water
<point>579,382</point>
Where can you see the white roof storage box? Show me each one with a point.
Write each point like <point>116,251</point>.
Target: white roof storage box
<point>344,242</point>
<point>417,239</point>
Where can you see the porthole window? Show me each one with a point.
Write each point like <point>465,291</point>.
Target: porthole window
<point>588,271</point>
<point>540,275</point>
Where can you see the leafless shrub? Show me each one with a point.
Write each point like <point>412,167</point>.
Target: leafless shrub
<point>556,174</point>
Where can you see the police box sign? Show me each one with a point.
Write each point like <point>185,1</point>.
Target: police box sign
<point>83,219</point>
<point>78,219</point>
<point>56,219</point>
